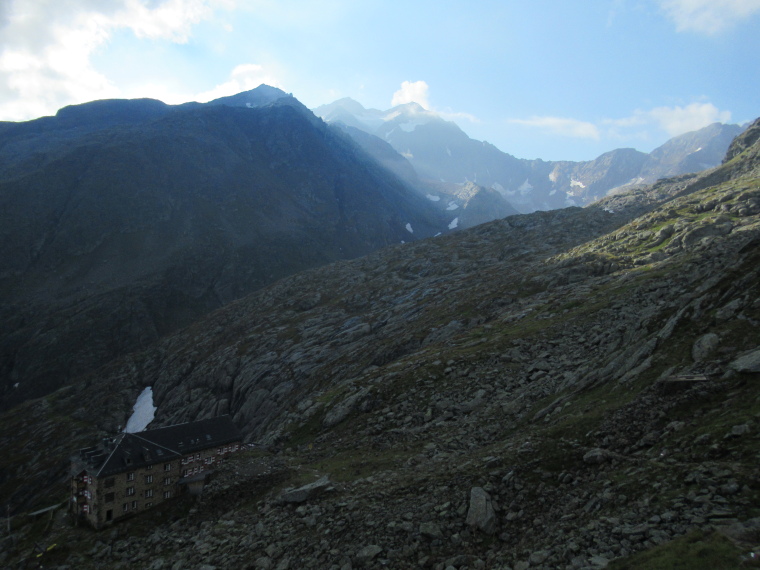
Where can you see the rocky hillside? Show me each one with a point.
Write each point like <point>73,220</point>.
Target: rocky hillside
<point>124,220</point>
<point>562,389</point>
<point>440,151</point>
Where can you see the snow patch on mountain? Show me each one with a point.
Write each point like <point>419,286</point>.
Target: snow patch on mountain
<point>409,228</point>
<point>525,188</point>
<point>576,184</point>
<point>143,412</point>
<point>452,206</point>
<point>432,198</point>
<point>454,223</point>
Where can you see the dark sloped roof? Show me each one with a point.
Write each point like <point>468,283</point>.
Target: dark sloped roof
<point>131,452</point>
<point>194,436</point>
<point>134,450</point>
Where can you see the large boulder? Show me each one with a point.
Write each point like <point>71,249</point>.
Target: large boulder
<point>481,514</point>
<point>704,346</point>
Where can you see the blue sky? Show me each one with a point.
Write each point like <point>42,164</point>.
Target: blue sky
<point>551,79</point>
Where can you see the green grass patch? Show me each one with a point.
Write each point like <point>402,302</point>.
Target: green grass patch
<point>352,465</point>
<point>698,550</point>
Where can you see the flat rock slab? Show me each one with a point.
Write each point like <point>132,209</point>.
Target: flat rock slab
<point>306,492</point>
<point>747,363</point>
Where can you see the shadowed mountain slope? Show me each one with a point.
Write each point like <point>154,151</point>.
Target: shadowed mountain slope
<point>123,220</point>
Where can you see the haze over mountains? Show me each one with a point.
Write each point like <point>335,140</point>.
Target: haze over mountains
<point>440,151</point>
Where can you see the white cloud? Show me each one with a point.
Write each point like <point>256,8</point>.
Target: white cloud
<point>47,45</point>
<point>673,120</point>
<point>243,78</point>
<point>561,126</point>
<point>679,120</point>
<point>458,116</point>
<point>708,16</point>
<point>640,125</point>
<point>416,92</point>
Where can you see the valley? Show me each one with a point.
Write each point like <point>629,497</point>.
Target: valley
<point>573,388</point>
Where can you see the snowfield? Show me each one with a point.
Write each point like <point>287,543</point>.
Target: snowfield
<point>144,412</point>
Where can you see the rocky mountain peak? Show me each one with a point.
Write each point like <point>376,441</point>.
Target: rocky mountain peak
<point>261,95</point>
<point>744,141</point>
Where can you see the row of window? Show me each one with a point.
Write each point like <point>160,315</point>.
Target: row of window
<point>131,474</point>
<point>127,506</point>
<point>167,466</point>
<point>193,471</point>
<point>209,460</point>
<point>133,505</point>
<point>130,491</point>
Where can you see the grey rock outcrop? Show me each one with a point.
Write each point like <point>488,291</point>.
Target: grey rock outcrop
<point>704,346</point>
<point>480,513</point>
<point>749,362</point>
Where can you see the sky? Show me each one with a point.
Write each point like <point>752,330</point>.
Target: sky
<point>550,79</point>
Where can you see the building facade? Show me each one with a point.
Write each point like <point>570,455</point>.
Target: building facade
<point>137,471</point>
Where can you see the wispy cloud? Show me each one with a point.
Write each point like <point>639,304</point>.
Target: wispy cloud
<point>639,125</point>
<point>455,116</point>
<point>47,45</point>
<point>561,126</point>
<point>708,16</point>
<point>675,120</point>
<point>412,91</point>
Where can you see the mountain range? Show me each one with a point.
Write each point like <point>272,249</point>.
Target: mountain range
<point>123,220</point>
<point>440,151</point>
<point>570,388</point>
